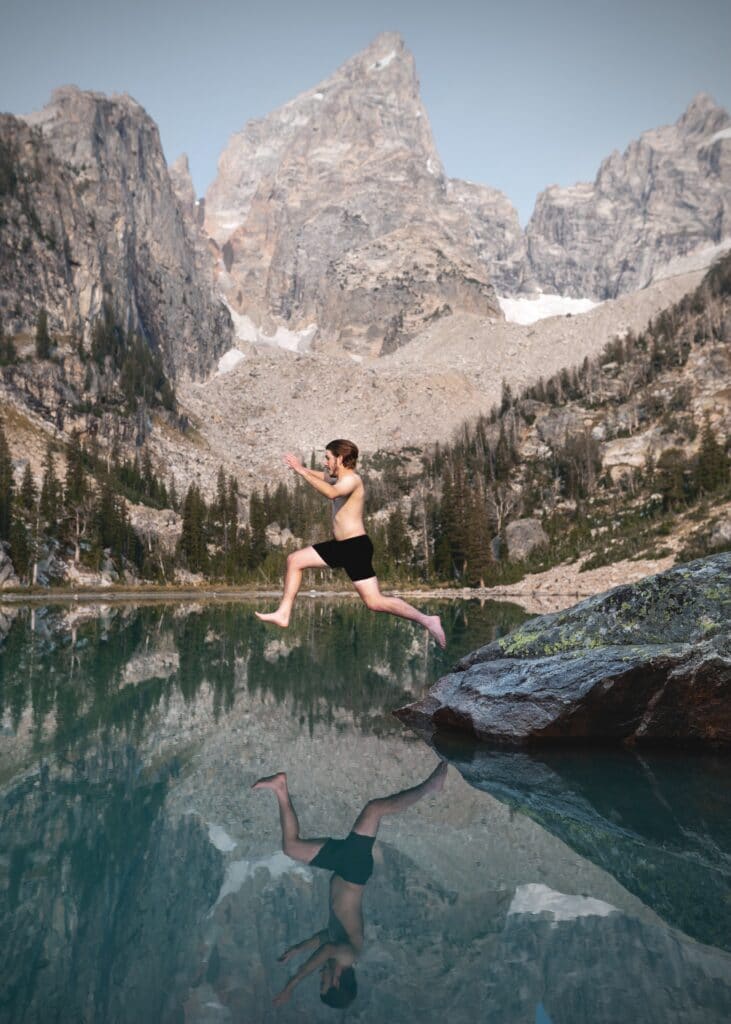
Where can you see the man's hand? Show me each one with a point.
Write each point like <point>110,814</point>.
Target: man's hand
<point>294,463</point>
<point>284,997</point>
<point>287,955</point>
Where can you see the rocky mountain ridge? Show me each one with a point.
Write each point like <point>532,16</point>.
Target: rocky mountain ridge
<point>668,194</point>
<point>91,220</point>
<point>332,216</point>
<point>307,200</point>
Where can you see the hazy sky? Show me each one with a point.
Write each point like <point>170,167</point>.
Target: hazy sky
<point>520,94</point>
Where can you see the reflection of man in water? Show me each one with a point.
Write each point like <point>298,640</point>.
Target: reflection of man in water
<point>351,548</point>
<point>337,947</point>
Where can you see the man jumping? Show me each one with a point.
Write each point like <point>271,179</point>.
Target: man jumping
<point>351,548</point>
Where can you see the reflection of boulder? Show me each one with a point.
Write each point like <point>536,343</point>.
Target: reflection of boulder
<point>645,662</point>
<point>660,825</point>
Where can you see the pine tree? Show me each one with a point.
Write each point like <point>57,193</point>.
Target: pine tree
<point>28,494</point>
<point>670,477</point>
<point>8,352</point>
<point>257,530</point>
<point>712,468</point>
<point>43,338</point>
<point>477,539</point>
<point>193,536</point>
<point>77,499</point>
<point>398,546</point>
<point>50,501</point>
<point>7,487</point>
<point>20,547</point>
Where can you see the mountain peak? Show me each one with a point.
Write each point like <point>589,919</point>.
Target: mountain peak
<point>702,116</point>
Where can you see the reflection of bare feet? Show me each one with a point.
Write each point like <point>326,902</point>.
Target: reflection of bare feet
<point>278,618</point>
<point>434,625</point>
<point>435,782</point>
<point>276,781</point>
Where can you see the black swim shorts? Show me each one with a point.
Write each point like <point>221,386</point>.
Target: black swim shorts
<point>355,555</point>
<point>351,858</point>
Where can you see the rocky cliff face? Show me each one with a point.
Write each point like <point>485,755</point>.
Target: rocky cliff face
<point>668,194</point>
<point>92,218</point>
<point>495,232</point>
<point>333,219</point>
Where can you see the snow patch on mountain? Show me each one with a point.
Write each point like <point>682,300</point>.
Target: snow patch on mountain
<point>528,310</point>
<point>292,341</point>
<point>539,899</point>
<point>230,359</point>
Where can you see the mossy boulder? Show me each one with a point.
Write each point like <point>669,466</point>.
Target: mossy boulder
<point>648,662</point>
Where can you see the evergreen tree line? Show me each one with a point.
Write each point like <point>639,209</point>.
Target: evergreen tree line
<point>131,362</point>
<point>479,482</point>
<point>120,360</point>
<point>83,519</point>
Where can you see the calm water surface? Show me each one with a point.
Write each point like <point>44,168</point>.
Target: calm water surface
<point>142,880</point>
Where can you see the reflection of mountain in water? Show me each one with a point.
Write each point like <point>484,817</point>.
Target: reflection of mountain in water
<point>139,725</point>
<point>91,873</point>
<point>434,953</point>
<point>661,824</point>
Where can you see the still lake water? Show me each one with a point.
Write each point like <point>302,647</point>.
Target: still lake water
<point>142,880</point>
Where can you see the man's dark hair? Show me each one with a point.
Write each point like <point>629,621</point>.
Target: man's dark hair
<point>343,995</point>
<point>347,449</point>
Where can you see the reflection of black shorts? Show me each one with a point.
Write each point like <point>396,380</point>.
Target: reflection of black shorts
<point>351,858</point>
<point>355,555</point>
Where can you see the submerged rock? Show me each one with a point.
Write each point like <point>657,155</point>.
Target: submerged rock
<point>661,830</point>
<point>648,662</point>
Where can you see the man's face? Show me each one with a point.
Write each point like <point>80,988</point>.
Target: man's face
<point>329,976</point>
<point>332,462</point>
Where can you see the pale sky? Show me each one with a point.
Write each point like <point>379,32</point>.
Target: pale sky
<point>520,94</point>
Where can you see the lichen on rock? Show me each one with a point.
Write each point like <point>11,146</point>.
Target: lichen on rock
<point>647,662</point>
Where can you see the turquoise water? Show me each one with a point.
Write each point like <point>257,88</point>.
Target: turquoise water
<point>142,880</point>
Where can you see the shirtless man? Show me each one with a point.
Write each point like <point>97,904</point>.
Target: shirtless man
<point>338,947</point>
<point>351,549</point>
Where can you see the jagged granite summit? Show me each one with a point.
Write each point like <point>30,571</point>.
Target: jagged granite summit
<point>648,662</point>
<point>92,218</point>
<point>333,218</point>
<point>667,195</point>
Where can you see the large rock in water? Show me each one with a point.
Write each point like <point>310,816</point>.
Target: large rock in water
<point>649,662</point>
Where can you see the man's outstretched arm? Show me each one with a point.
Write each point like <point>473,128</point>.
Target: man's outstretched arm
<point>340,489</point>
<point>315,940</point>
<point>316,960</point>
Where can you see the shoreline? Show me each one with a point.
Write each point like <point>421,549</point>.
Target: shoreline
<point>556,588</point>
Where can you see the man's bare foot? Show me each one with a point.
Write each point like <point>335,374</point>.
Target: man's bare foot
<point>435,782</point>
<point>278,618</point>
<point>276,781</point>
<point>434,625</point>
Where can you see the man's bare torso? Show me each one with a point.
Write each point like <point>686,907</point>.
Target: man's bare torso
<point>348,511</point>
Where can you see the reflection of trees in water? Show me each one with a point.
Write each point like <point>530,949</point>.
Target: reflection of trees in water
<point>336,655</point>
<point>92,919</point>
